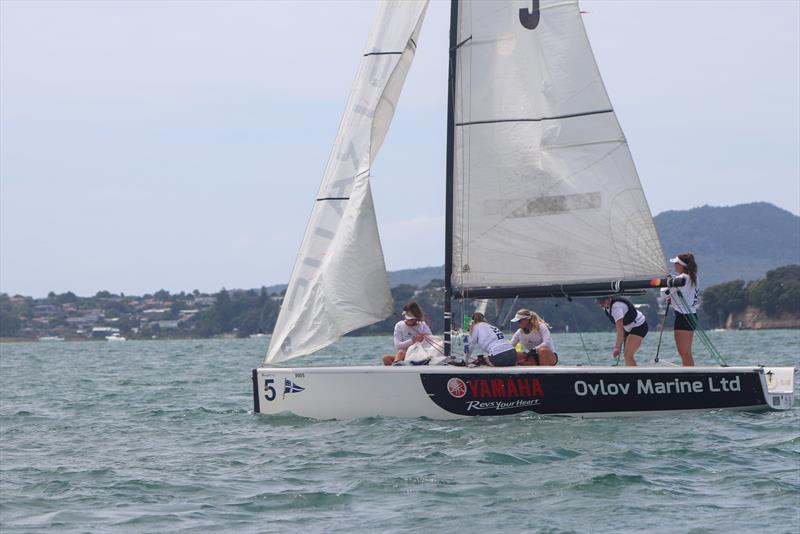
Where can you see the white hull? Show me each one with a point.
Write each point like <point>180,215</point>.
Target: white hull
<point>447,392</point>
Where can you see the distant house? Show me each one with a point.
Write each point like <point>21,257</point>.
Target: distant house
<point>87,319</point>
<point>205,301</point>
<point>155,313</point>
<point>100,332</point>
<point>46,309</point>
<point>166,325</point>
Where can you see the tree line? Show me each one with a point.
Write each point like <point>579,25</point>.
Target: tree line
<point>243,313</point>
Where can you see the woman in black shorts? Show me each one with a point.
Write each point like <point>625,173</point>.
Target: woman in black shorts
<point>685,300</point>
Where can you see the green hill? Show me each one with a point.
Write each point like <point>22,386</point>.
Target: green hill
<point>739,242</point>
<point>734,242</point>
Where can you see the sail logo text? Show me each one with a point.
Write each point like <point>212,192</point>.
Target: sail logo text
<point>505,388</point>
<point>650,387</point>
<point>500,405</point>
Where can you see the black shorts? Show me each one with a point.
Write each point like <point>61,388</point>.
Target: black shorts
<point>640,330</point>
<point>533,354</point>
<point>684,321</point>
<point>504,359</point>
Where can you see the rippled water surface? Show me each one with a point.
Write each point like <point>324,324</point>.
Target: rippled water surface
<point>157,436</point>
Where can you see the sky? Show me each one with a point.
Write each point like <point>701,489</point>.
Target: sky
<point>179,145</point>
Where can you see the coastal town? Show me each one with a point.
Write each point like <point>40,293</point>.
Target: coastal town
<point>108,316</point>
<point>769,302</point>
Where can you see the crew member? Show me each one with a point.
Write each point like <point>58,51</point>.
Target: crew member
<point>412,329</point>
<point>685,300</point>
<point>499,352</point>
<point>630,324</point>
<point>534,336</point>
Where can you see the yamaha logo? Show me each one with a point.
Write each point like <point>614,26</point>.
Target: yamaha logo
<point>456,387</point>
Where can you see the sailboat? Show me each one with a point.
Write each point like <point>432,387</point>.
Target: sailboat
<point>532,142</point>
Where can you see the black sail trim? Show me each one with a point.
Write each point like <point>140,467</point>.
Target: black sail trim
<point>588,289</point>
<point>332,198</point>
<point>540,119</point>
<point>383,54</point>
<point>462,43</point>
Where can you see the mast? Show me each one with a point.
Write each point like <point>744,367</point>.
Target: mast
<point>448,218</point>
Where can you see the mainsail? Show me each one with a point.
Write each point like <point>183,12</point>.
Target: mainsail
<point>339,280</point>
<point>544,188</point>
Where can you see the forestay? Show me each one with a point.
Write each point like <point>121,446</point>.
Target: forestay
<point>339,280</point>
<point>544,190</point>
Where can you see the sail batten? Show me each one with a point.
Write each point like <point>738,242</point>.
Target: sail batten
<point>339,280</point>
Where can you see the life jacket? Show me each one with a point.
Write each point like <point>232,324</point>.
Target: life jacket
<point>630,315</point>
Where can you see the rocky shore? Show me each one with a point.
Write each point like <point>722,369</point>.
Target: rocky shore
<point>752,318</point>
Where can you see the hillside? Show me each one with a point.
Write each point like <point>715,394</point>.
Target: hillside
<point>740,242</point>
<point>415,277</point>
<point>732,242</point>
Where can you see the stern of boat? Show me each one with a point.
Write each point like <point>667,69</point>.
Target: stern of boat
<point>779,387</point>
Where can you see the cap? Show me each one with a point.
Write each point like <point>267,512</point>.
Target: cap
<point>679,261</point>
<point>522,314</point>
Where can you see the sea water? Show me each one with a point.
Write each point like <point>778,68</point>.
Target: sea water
<point>159,436</point>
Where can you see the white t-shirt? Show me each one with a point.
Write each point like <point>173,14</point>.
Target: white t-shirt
<point>534,339</point>
<point>404,334</point>
<point>690,293</point>
<point>618,310</point>
<point>488,338</point>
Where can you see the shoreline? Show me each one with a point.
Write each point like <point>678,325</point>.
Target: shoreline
<point>230,337</point>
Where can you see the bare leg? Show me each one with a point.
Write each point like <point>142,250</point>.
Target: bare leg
<point>546,357</point>
<point>632,344</point>
<point>683,340</point>
<point>388,359</point>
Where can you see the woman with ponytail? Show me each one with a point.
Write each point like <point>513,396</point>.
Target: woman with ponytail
<point>685,300</point>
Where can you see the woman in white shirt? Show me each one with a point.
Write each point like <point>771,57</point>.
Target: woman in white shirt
<point>499,352</point>
<point>412,329</point>
<point>685,300</point>
<point>630,324</point>
<point>534,336</point>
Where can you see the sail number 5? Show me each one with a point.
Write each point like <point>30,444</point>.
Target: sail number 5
<point>270,391</point>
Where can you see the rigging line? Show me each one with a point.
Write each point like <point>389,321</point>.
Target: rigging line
<point>413,41</point>
<point>578,328</point>
<point>332,198</point>
<point>580,334</point>
<point>508,313</point>
<point>430,339</point>
<point>539,119</point>
<point>701,333</point>
<point>661,334</point>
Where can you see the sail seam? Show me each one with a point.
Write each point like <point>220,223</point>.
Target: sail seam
<point>540,119</point>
